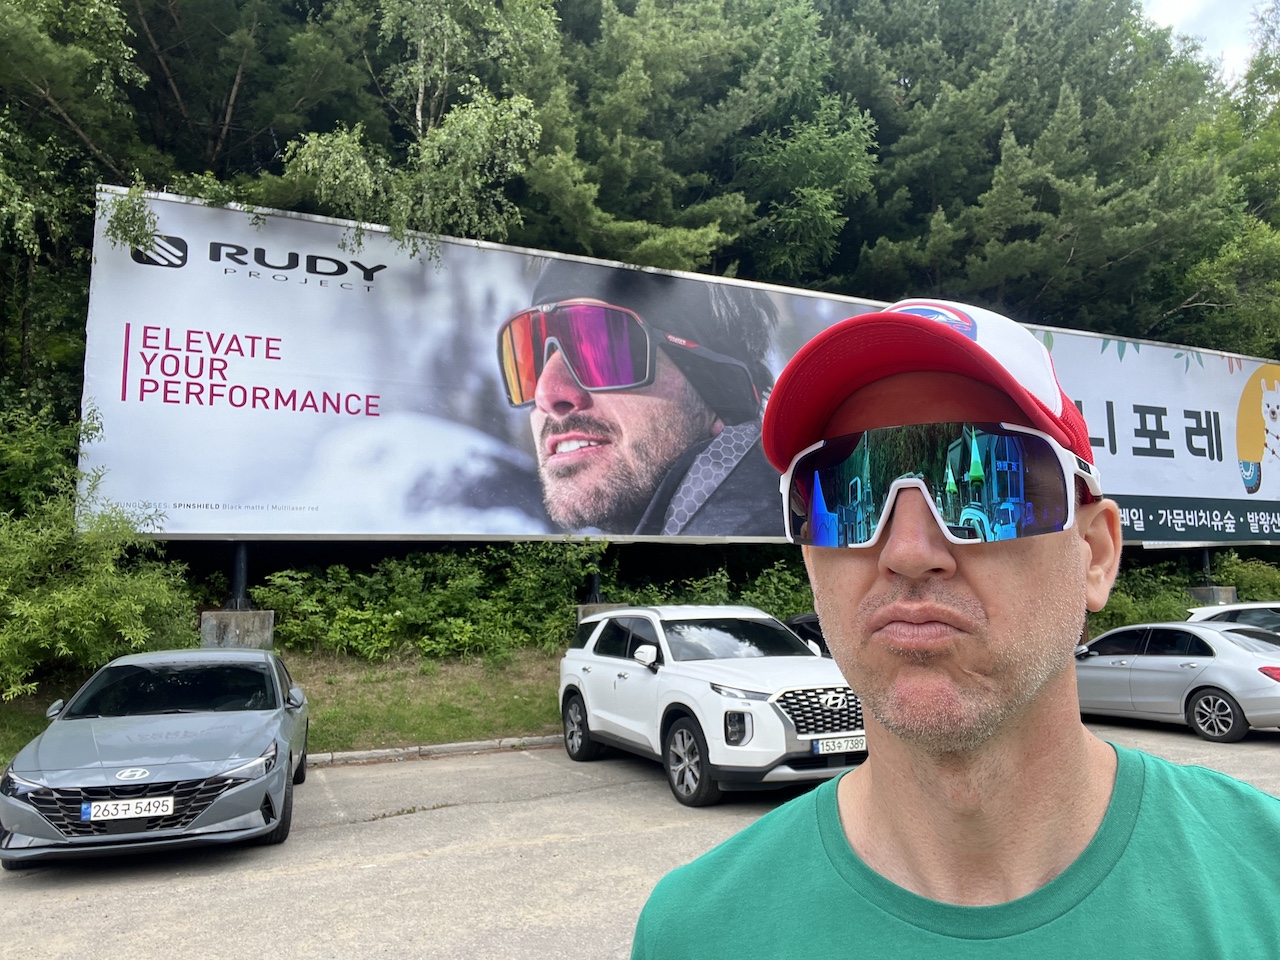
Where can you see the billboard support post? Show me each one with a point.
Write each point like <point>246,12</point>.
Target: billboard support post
<point>239,578</point>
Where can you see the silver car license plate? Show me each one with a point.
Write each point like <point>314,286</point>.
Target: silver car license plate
<point>126,809</point>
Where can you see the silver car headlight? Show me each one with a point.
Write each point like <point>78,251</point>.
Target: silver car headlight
<point>254,768</point>
<point>12,785</point>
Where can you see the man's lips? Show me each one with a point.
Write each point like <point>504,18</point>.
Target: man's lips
<point>564,445</point>
<point>918,626</point>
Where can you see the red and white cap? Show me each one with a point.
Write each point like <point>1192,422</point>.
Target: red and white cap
<point>912,336</point>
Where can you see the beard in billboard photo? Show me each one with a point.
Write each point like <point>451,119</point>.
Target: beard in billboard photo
<point>644,394</point>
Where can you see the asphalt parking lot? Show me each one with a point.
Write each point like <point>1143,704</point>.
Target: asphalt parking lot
<point>506,854</point>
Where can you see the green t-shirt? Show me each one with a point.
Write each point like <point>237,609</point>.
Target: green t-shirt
<point>1186,863</point>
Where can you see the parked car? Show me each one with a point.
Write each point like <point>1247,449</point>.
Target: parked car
<point>160,750</point>
<point>725,697</point>
<point>807,627</point>
<point>1217,678</point>
<point>1265,614</point>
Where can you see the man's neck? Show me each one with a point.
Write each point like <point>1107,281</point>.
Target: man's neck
<point>985,827</point>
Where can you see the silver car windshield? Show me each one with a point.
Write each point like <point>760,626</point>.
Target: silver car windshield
<point>730,639</point>
<point>134,689</point>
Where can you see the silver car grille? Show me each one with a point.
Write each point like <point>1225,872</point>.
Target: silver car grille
<point>61,807</point>
<point>817,711</point>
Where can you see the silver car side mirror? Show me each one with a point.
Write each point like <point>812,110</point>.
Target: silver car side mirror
<point>55,708</point>
<point>1082,651</point>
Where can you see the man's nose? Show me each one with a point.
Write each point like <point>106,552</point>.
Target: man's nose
<point>558,392</point>
<point>914,544</point>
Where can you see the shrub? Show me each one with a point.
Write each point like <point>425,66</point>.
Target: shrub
<point>79,584</point>
<point>1253,579</point>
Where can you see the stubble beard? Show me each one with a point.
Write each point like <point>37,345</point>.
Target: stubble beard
<point>614,502</point>
<point>616,498</point>
<point>1014,672</point>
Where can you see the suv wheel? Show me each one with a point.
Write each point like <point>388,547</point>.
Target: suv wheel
<point>1215,715</point>
<point>577,734</point>
<point>688,772</point>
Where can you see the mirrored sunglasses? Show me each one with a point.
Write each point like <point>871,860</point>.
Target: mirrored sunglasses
<point>983,482</point>
<point>605,348</point>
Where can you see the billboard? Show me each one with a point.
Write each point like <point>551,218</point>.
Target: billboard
<point>260,375</point>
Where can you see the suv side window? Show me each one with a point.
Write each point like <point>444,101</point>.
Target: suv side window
<point>583,634</point>
<point>642,632</point>
<point>612,641</point>
<point>1259,617</point>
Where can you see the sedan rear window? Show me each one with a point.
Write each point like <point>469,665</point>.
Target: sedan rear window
<point>730,639</point>
<point>1257,640</point>
<point>136,689</point>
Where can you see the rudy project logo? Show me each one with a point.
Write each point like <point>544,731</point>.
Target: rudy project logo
<point>165,252</point>
<point>955,319</point>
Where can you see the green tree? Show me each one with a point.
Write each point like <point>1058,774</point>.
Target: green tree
<point>79,584</point>
<point>670,127</point>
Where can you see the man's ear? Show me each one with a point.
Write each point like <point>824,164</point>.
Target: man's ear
<point>1099,525</point>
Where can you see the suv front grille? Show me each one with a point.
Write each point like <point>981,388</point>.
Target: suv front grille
<point>817,710</point>
<point>190,798</point>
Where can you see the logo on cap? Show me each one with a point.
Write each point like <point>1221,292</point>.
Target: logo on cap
<point>957,320</point>
<point>164,252</point>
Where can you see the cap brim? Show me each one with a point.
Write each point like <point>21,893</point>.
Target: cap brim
<point>863,349</point>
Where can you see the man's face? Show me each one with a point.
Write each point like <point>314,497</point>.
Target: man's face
<point>945,643</point>
<point>602,455</point>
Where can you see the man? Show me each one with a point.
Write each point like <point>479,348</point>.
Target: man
<point>987,820</point>
<point>644,392</point>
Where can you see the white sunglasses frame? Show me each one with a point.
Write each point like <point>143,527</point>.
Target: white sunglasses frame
<point>1072,467</point>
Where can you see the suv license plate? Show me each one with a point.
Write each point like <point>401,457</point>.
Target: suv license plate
<point>840,745</point>
<point>126,809</point>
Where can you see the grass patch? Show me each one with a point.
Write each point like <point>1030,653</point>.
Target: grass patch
<point>404,703</point>
<point>400,703</point>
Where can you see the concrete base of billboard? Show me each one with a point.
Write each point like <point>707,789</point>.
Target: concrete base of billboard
<point>1210,596</point>
<point>238,628</point>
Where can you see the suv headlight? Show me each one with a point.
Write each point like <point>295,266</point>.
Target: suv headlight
<point>254,768</point>
<point>12,785</point>
<point>738,693</point>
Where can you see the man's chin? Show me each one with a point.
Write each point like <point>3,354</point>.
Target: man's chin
<point>575,506</point>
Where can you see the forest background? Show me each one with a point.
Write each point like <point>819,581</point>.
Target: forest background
<point>1067,162</point>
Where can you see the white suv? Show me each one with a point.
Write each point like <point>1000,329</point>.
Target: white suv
<point>725,697</point>
<point>1258,613</point>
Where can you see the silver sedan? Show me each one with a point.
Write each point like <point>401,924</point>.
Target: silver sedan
<point>1220,679</point>
<point>156,751</point>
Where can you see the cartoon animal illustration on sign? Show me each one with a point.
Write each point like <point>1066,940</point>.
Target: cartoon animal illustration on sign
<point>1271,436</point>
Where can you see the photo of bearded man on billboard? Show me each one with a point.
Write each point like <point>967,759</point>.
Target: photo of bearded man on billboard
<point>645,394</point>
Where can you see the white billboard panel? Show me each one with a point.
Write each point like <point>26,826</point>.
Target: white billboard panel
<point>259,377</point>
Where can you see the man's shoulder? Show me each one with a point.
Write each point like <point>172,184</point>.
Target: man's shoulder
<point>1191,785</point>
<point>740,491</point>
<point>1207,814</point>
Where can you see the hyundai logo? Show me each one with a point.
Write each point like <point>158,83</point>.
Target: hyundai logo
<point>834,700</point>
<point>133,773</point>
<point>164,252</point>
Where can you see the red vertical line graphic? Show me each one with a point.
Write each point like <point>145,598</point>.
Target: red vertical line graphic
<point>124,371</point>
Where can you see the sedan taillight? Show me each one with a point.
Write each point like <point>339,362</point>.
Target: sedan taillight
<point>1272,672</point>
